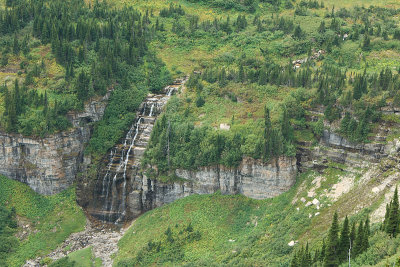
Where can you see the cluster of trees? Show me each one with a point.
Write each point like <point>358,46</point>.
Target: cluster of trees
<point>246,5</point>
<point>353,240</point>
<point>8,226</point>
<point>167,250</point>
<point>330,81</point>
<point>172,11</point>
<point>39,122</point>
<point>342,242</point>
<point>214,26</point>
<point>176,143</point>
<point>357,131</point>
<point>97,45</point>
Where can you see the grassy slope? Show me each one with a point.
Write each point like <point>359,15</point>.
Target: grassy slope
<point>261,230</point>
<point>81,258</point>
<point>51,219</point>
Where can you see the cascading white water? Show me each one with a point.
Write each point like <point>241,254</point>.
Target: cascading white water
<point>170,90</point>
<point>151,110</point>
<point>112,183</point>
<point>115,196</point>
<point>123,205</point>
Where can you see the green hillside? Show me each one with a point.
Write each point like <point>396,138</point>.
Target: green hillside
<point>218,230</point>
<point>43,222</point>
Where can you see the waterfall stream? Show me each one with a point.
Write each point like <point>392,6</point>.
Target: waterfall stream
<point>126,156</point>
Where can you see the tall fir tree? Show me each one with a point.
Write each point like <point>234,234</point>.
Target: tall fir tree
<point>392,226</point>
<point>358,243</point>
<point>267,134</point>
<point>332,248</point>
<point>344,243</point>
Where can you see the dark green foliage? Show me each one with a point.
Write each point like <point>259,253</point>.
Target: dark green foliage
<point>172,11</point>
<point>167,250</point>
<point>391,222</point>
<point>335,251</point>
<point>344,243</point>
<point>246,5</point>
<point>332,249</point>
<point>8,225</point>
<point>64,262</point>
<point>95,52</point>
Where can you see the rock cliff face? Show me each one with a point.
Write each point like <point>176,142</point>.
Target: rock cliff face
<point>49,165</point>
<point>252,178</point>
<point>335,148</point>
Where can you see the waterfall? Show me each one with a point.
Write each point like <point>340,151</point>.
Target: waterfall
<point>151,110</point>
<point>144,109</point>
<point>123,205</point>
<point>115,183</point>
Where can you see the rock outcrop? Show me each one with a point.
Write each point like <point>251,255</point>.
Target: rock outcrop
<point>335,148</point>
<point>49,165</point>
<point>252,178</point>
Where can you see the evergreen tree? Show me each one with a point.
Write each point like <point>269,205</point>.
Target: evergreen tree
<point>267,134</point>
<point>323,250</point>
<point>298,32</point>
<point>385,221</point>
<point>366,42</point>
<point>392,226</point>
<point>241,74</point>
<point>322,28</point>
<point>358,243</point>
<point>344,243</point>
<point>353,234</point>
<point>332,248</point>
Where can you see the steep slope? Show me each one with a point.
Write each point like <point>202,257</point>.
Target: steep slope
<point>43,222</point>
<point>234,230</point>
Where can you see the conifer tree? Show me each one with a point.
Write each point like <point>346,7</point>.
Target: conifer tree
<point>323,250</point>
<point>241,73</point>
<point>353,234</point>
<point>344,243</point>
<point>392,226</point>
<point>386,219</point>
<point>267,134</point>
<point>331,253</point>
<point>358,243</point>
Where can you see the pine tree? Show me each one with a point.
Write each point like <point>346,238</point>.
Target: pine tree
<point>306,257</point>
<point>17,99</point>
<point>287,131</point>
<point>331,253</point>
<point>366,43</point>
<point>321,28</point>
<point>323,250</point>
<point>295,261</point>
<point>365,241</point>
<point>385,221</point>
<point>267,134</point>
<point>46,104</point>
<point>358,243</point>
<point>344,243</point>
<point>298,32</point>
<point>241,73</point>
<point>262,78</point>
<point>392,227</point>
<point>353,234</point>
